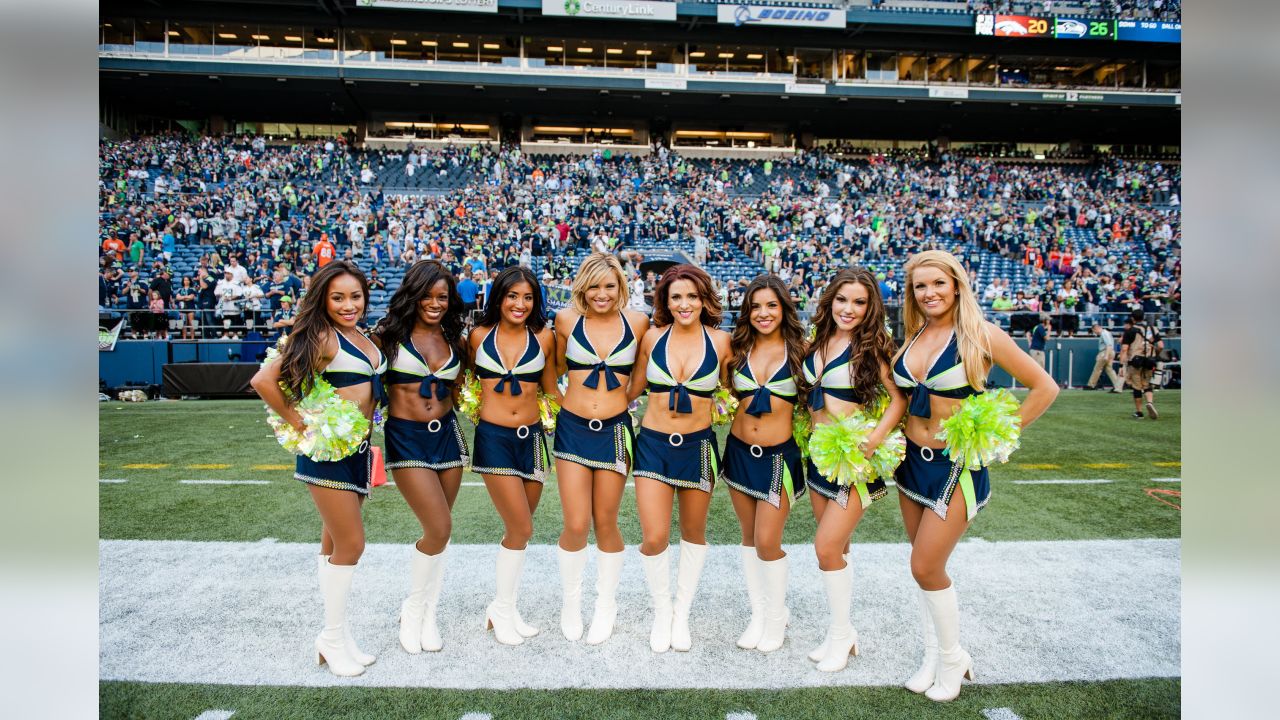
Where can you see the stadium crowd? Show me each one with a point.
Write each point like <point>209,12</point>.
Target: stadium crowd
<point>220,235</point>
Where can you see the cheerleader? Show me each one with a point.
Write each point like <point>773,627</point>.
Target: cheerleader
<point>594,439</point>
<point>326,340</point>
<point>846,364</point>
<point>510,346</point>
<point>676,453</point>
<point>762,463</point>
<point>953,349</point>
<point>422,339</point>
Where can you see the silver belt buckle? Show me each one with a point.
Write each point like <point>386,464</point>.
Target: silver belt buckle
<point>926,453</point>
<point>671,439</point>
<point>596,424</point>
<point>757,451</point>
<point>434,426</point>
<point>522,429</point>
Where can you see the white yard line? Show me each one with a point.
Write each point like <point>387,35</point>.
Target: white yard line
<point>112,481</point>
<point>225,482</point>
<point>1030,612</point>
<point>215,715</point>
<point>1063,481</point>
<point>1000,714</point>
<point>1166,480</point>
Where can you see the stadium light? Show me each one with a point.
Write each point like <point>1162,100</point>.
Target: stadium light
<point>462,44</point>
<point>324,39</point>
<point>292,38</point>
<point>725,56</point>
<point>584,49</point>
<point>614,51</point>
<point>227,36</point>
<point>644,52</point>
<point>755,56</point>
<point>491,46</point>
<point>260,37</point>
<point>697,54</point>
<point>172,33</point>
<point>429,43</point>
<point>555,48</point>
<point>397,41</point>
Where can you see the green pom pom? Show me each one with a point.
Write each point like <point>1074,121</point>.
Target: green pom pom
<point>335,426</point>
<point>469,397</point>
<point>802,428</point>
<point>724,405</point>
<point>984,430</point>
<point>833,446</point>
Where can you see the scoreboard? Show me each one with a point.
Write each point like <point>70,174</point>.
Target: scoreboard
<point>1076,28</point>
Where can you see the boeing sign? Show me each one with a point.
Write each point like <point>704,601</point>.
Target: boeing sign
<point>744,14</point>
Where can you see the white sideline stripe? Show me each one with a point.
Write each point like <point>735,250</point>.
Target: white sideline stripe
<point>225,482</point>
<point>1167,480</point>
<point>1063,481</point>
<point>740,716</point>
<point>1031,612</point>
<point>113,481</point>
<point>1000,714</point>
<point>476,716</point>
<point>215,715</point>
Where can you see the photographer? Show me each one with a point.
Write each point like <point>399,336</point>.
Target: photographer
<point>1140,353</point>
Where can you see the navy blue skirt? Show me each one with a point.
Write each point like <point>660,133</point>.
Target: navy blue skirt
<point>519,451</point>
<point>597,444</point>
<point>764,473</point>
<point>436,445</point>
<point>928,477</point>
<point>866,492</point>
<point>689,461</point>
<point>350,473</point>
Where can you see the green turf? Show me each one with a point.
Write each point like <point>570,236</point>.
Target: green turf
<point>1129,699</point>
<point>1081,428</point>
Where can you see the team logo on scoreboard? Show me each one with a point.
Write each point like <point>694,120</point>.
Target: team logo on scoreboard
<point>742,16</point>
<point>572,7</point>
<point>1066,27</point>
<point>985,25</point>
<point>1009,26</point>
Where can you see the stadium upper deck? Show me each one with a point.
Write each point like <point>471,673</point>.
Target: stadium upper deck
<point>811,70</point>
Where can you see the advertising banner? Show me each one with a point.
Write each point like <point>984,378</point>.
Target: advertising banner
<point>744,14</point>
<point>479,6</point>
<point>611,9</point>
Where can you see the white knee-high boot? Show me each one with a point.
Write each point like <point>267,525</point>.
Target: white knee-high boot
<point>953,662</point>
<point>692,557</point>
<point>774,574</point>
<point>820,652</point>
<point>608,572</point>
<point>755,596</point>
<point>431,640</point>
<point>842,639</point>
<point>500,614</point>
<point>924,677</point>
<point>572,563</point>
<point>356,654</point>
<point>414,606</point>
<point>657,571</point>
<point>331,643</point>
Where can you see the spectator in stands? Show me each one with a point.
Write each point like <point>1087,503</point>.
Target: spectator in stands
<point>239,274</point>
<point>324,251</point>
<point>468,291</point>
<point>282,319</point>
<point>185,300</point>
<point>158,321</point>
<point>228,293</point>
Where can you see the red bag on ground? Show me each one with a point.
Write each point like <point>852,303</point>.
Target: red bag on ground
<point>379,474</point>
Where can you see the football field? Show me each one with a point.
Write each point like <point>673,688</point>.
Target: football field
<point>1068,583</point>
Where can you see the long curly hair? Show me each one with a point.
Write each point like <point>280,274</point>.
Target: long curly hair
<point>871,344</point>
<point>971,334</point>
<point>711,308</point>
<point>744,336</point>
<point>300,358</point>
<point>514,275</point>
<point>402,312</point>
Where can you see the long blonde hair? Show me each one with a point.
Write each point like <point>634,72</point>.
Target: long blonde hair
<point>971,332</point>
<point>593,271</point>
